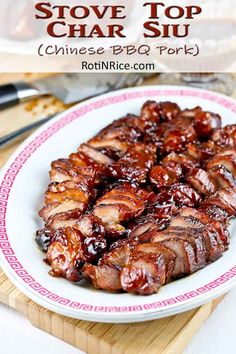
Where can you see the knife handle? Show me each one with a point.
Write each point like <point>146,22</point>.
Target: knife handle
<point>8,96</point>
<point>12,94</point>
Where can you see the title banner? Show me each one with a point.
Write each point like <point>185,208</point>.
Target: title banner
<point>134,35</point>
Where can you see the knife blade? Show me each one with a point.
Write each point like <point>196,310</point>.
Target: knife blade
<point>70,88</point>
<point>122,81</point>
<point>67,87</point>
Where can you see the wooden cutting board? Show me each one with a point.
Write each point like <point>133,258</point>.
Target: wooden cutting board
<point>165,336</point>
<point>169,335</point>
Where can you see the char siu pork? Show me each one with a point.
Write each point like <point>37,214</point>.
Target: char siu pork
<point>146,201</point>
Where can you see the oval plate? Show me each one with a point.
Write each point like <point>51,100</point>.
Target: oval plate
<point>24,180</point>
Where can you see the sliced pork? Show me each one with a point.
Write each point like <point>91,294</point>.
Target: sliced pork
<point>144,202</point>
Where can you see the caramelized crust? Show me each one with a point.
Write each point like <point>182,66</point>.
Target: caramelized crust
<point>162,111</point>
<point>64,170</point>
<point>181,195</point>
<point>120,204</point>
<point>225,137</point>
<point>161,177</point>
<point>65,201</point>
<point>103,277</point>
<point>205,123</point>
<point>202,181</point>
<point>135,164</point>
<point>69,249</point>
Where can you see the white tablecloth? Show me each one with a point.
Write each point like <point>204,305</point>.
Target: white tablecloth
<point>217,336</point>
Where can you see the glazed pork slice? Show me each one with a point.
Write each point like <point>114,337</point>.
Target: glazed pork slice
<point>168,254</point>
<point>49,211</point>
<point>68,190</point>
<point>79,159</point>
<point>219,174</point>
<point>197,219</point>
<point>178,136</point>
<point>209,234</point>
<point>157,217</point>
<point>190,251</point>
<point>183,161</point>
<point>210,243</point>
<point>155,119</point>
<point>135,164</point>
<point>228,161</point>
<point>222,177</point>
<point>194,248</point>
<point>69,250</point>
<point>166,174</point>
<point>190,113</point>
<point>202,151</point>
<point>112,147</point>
<point>225,199</point>
<point>186,222</point>
<point>161,177</point>
<point>88,225</point>
<point>89,231</point>
<point>66,219</point>
<point>63,261</point>
<point>164,124</point>
<point>226,151</point>
<point>194,213</point>
<point>201,181</point>
<point>65,200</point>
<point>225,137</point>
<point>160,111</point>
<point>140,228</point>
<point>94,154</point>
<point>87,156</point>
<point>141,269</point>
<point>185,257</point>
<point>64,170</point>
<point>102,142</point>
<point>120,255</point>
<point>215,213</point>
<point>119,205</point>
<point>127,129</point>
<point>181,195</point>
<point>104,277</point>
<point>205,123</point>
<point>144,274</point>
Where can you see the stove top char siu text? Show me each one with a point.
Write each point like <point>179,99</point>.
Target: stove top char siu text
<point>146,201</point>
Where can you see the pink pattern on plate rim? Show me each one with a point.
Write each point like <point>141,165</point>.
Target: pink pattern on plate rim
<point>15,167</point>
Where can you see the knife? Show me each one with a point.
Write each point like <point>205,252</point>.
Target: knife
<point>68,87</point>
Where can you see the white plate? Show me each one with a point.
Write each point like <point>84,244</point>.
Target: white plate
<point>22,184</point>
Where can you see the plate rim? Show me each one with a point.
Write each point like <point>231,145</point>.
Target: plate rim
<point>127,316</point>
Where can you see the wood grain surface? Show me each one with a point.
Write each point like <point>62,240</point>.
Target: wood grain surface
<point>165,336</point>
<point>169,335</point>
